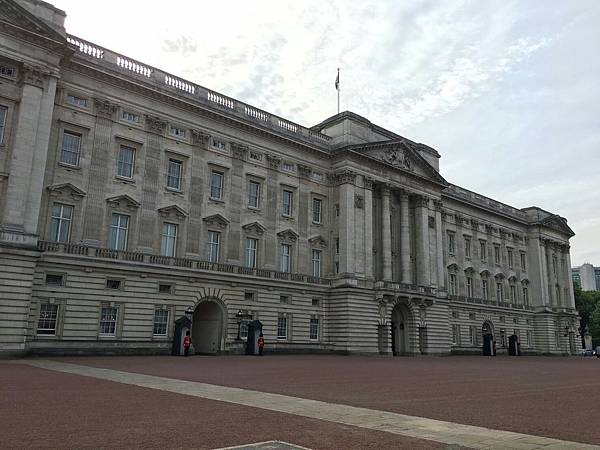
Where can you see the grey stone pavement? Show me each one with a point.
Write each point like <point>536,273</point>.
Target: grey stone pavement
<point>452,434</point>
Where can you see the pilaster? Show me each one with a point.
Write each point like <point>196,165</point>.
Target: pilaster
<point>346,182</point>
<point>368,244</point>
<point>422,222</point>
<point>439,246</point>
<point>386,233</point>
<point>405,263</point>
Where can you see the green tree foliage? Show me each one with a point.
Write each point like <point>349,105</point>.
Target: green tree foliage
<point>588,306</point>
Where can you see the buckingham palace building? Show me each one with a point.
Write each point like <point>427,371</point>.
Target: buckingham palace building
<point>131,198</point>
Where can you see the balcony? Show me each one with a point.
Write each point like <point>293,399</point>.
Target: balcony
<point>489,302</point>
<point>187,263</point>
<point>413,288</point>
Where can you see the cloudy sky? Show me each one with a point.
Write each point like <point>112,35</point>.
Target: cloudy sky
<point>507,91</point>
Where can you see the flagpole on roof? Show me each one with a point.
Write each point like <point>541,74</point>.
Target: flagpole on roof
<point>337,88</point>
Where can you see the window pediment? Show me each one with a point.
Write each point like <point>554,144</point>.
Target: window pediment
<point>123,201</point>
<point>484,273</point>
<point>172,211</point>
<point>453,267</point>
<point>288,235</point>
<point>469,270</point>
<point>64,189</point>
<point>216,220</point>
<point>254,228</point>
<point>318,241</point>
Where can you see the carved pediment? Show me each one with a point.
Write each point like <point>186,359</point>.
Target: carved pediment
<point>499,275</point>
<point>173,211</point>
<point>469,270</point>
<point>65,189</point>
<point>453,267</point>
<point>216,220</point>
<point>123,201</point>
<point>254,228</point>
<point>318,241</point>
<point>484,273</point>
<point>288,235</point>
<point>559,224</point>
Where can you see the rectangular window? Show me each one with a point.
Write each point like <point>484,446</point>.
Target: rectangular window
<point>496,254</point>
<point>219,145</point>
<point>451,243</point>
<point>54,279</point>
<point>482,250</point>
<point>8,71</point>
<point>168,239</point>
<point>108,321</point>
<point>469,287</point>
<point>130,117</point>
<point>176,131</point>
<point>70,150</point>
<point>174,174</point>
<point>214,239</point>
<point>316,302</point>
<point>119,227</point>
<point>216,185</point>
<point>164,288</point>
<point>529,338</point>
<point>287,203</point>
<point>284,299</point>
<point>249,296</point>
<point>484,290</point>
<point>282,330</point>
<point>251,249</point>
<point>513,293</point>
<point>523,261</point>
<point>253,194</point>
<point>48,318</point>
<point>289,167</point>
<point>60,224</point>
<point>3,114</point>
<point>77,101</point>
<point>473,335</point>
<point>337,210</point>
<point>467,247</point>
<point>314,329</point>
<point>161,322</point>
<point>125,162</point>
<point>317,204</point>
<point>452,286</point>
<point>509,254</point>
<point>316,263</point>
<point>456,334</point>
<point>285,258</point>
<point>113,284</point>
<point>337,246</point>
<point>499,292</point>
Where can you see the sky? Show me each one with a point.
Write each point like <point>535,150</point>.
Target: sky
<point>508,92</point>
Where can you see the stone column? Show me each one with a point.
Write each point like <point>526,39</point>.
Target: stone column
<point>386,233</point>
<point>346,182</point>
<point>368,227</point>
<point>439,245</point>
<point>550,279</point>
<point>405,271</point>
<point>571,300</point>
<point>422,222</point>
<point>544,275</point>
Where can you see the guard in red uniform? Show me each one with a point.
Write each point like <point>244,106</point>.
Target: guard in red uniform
<point>261,344</point>
<point>187,342</point>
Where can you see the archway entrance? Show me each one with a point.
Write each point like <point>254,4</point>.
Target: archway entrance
<point>400,330</point>
<point>207,328</point>
<point>487,332</point>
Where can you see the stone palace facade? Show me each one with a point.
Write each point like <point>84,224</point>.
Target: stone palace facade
<point>129,196</point>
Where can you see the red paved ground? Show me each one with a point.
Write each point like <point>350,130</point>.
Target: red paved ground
<point>45,409</point>
<point>554,397</point>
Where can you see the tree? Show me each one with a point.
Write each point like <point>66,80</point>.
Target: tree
<point>588,306</point>
<point>595,326</point>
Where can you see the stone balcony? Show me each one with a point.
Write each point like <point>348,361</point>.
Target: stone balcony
<point>481,301</point>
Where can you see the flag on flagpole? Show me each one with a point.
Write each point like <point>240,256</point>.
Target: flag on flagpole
<point>337,80</point>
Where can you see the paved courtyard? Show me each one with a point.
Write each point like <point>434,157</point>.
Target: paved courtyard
<point>321,402</point>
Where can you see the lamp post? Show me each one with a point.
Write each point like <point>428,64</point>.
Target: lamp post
<point>239,316</point>
<point>189,312</point>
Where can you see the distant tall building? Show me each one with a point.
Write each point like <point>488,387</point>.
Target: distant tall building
<point>587,276</point>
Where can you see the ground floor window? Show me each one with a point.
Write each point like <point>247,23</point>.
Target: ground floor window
<point>48,319</point>
<point>282,328</point>
<point>456,334</point>
<point>314,328</point>
<point>108,321</point>
<point>161,322</point>
<point>473,335</point>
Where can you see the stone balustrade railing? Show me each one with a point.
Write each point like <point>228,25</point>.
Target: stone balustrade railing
<point>478,199</point>
<point>425,290</point>
<point>482,301</point>
<point>201,95</point>
<point>145,258</point>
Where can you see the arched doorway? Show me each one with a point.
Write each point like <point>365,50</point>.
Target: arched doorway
<point>207,328</point>
<point>400,330</point>
<point>487,333</point>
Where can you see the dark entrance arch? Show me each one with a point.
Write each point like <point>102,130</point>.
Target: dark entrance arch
<point>487,332</point>
<point>207,327</point>
<point>400,330</point>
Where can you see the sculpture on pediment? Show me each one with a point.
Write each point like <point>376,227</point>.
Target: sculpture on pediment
<point>396,157</point>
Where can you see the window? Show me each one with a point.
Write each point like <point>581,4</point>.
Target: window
<point>467,247</point>
<point>337,246</point>
<point>214,239</point>
<point>174,174</point>
<point>287,203</point>
<point>168,239</point>
<point>244,328</point>
<point>216,185</point>
<point>502,337</point>
<point>452,286</point>
<point>219,145</point>
<point>60,226</point>
<point>285,258</point>
<point>282,328</point>
<point>176,131</point>
<point>451,243</point>
<point>284,299</point>
<point>119,226</point>
<point>130,117</point>
<point>499,291</point>
<point>523,260</point>
<point>317,204</point>
<point>77,101</point>
<point>314,329</point>
<point>456,334</point>
<point>509,253</point>
<point>161,322</point>
<point>253,194</point>
<point>108,321</point>
<point>316,302</point>
<point>289,167</point>
<point>316,263</point>
<point>484,290</point>
<point>8,71</point>
<point>71,147</point>
<point>125,162</point>
<point>455,314</point>
<point>471,316</point>
<point>554,264</point>
<point>529,338</point>
<point>3,114</point>
<point>47,320</point>
<point>337,210</point>
<point>473,335</point>
<point>496,254</point>
<point>513,293</point>
<point>251,249</point>
<point>113,284</point>
<point>336,267</point>
<point>249,296</point>
<point>165,288</point>
<point>54,279</point>
<point>482,250</point>
<point>469,286</point>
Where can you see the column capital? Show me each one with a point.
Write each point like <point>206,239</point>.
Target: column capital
<point>369,183</point>
<point>386,189</point>
<point>104,107</point>
<point>156,124</point>
<point>200,138</point>
<point>34,75</point>
<point>239,151</point>
<point>438,205</point>
<point>304,171</point>
<point>422,201</point>
<point>343,177</point>
<point>273,160</point>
